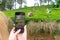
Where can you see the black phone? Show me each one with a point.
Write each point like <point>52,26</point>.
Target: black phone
<point>19,21</point>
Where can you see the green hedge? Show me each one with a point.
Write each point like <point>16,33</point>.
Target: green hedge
<point>39,14</point>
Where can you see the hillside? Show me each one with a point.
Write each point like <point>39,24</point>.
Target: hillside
<point>39,13</point>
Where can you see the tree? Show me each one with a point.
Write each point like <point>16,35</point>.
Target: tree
<point>2,5</point>
<point>25,3</point>
<point>9,4</point>
<point>36,3</point>
<point>45,1</point>
<point>6,4</point>
<point>40,1</point>
<point>0,1</point>
<point>20,2</point>
<point>48,2</point>
<point>58,2</point>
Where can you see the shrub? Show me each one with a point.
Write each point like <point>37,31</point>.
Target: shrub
<point>43,27</point>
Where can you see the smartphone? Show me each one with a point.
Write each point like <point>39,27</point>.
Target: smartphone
<point>19,21</point>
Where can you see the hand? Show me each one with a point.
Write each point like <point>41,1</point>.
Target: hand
<point>16,36</point>
<point>13,34</point>
<point>23,36</point>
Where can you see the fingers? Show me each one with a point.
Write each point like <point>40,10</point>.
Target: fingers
<point>13,29</point>
<point>17,32</point>
<point>25,27</point>
<point>13,24</point>
<point>25,30</point>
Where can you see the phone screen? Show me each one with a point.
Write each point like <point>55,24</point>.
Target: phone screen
<point>19,21</point>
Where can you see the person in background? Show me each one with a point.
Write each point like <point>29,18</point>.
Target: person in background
<point>4,34</point>
<point>30,14</point>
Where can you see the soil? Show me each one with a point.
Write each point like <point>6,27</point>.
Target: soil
<point>41,37</point>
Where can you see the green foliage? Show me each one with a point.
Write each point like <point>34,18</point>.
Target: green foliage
<point>40,14</point>
<point>9,4</point>
<point>58,2</point>
<point>2,5</point>
<point>6,4</point>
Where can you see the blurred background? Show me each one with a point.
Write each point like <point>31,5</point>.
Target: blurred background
<point>42,17</point>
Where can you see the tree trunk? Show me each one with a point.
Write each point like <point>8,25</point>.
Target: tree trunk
<point>20,5</point>
<point>40,2</point>
<point>48,3</point>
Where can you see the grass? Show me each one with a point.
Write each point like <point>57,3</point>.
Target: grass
<point>39,13</point>
<point>43,27</point>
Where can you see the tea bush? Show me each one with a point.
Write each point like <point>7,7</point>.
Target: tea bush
<point>40,14</point>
